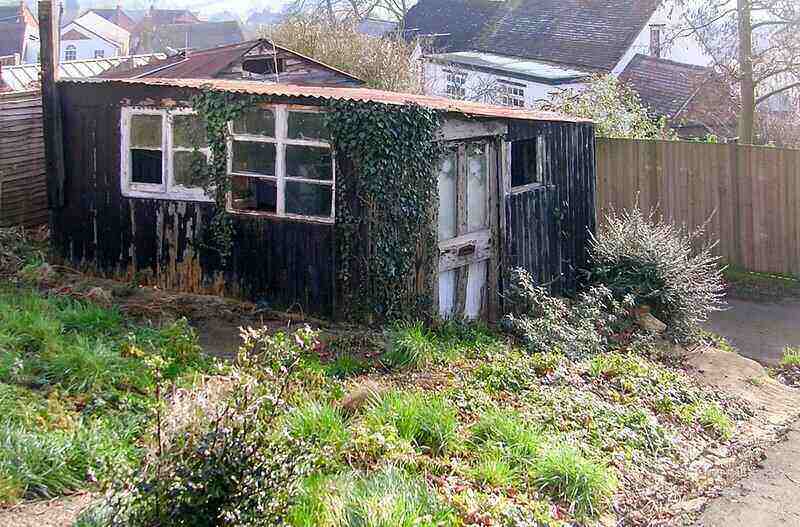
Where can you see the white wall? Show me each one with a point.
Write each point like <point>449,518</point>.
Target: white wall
<point>31,51</point>
<point>684,49</point>
<point>435,83</point>
<point>85,48</point>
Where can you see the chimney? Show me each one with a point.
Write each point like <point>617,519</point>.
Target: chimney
<point>656,36</point>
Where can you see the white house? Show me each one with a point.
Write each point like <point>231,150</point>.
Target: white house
<point>90,36</point>
<point>516,53</point>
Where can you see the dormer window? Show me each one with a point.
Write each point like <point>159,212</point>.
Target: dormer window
<point>264,65</point>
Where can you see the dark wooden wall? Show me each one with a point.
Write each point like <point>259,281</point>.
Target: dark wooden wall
<point>548,225</point>
<point>280,262</point>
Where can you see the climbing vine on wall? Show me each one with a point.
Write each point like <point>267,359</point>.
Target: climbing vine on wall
<point>386,193</point>
<point>217,109</point>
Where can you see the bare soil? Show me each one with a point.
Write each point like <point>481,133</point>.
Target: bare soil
<point>61,512</point>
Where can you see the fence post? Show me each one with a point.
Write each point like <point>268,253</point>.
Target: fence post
<point>51,103</point>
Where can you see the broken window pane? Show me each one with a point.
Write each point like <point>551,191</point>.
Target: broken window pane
<point>255,121</point>
<point>308,162</point>
<point>477,170</point>
<point>448,217</point>
<point>254,157</point>
<point>146,166</point>
<point>254,194</point>
<point>189,131</point>
<point>146,131</point>
<point>308,199</point>
<point>307,125</point>
<point>189,168</point>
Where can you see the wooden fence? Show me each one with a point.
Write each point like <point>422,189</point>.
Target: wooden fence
<point>23,191</point>
<point>751,194</point>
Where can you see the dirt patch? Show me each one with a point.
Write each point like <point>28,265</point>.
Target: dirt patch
<point>61,512</point>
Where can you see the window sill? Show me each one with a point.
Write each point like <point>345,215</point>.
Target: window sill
<point>172,196</point>
<point>282,217</point>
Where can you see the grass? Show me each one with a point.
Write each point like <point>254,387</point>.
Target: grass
<point>714,420</point>
<point>389,497</point>
<point>319,423</point>
<point>509,431</point>
<point>791,357</point>
<point>567,476</point>
<point>427,421</point>
<point>493,468</point>
<point>409,345</point>
<point>76,390</point>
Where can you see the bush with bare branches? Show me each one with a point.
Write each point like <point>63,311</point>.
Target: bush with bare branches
<point>383,63</point>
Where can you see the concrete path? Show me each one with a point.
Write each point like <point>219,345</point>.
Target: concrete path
<point>758,330</point>
<point>770,497</point>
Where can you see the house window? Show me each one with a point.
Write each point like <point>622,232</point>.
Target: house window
<point>281,164</point>
<point>164,154</point>
<point>456,84</point>
<point>511,94</point>
<point>70,53</point>
<point>99,53</point>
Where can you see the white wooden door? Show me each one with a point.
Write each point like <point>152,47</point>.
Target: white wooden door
<point>465,230</point>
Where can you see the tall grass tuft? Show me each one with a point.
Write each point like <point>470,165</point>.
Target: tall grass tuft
<point>319,423</point>
<point>566,475</point>
<point>429,422</point>
<point>410,345</point>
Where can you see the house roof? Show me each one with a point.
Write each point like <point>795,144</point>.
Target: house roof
<point>322,93</point>
<point>170,16</point>
<point>208,63</point>
<point>664,86</point>
<point>11,12</point>
<point>23,76</point>
<point>12,35</point>
<point>516,67</point>
<point>580,33</point>
<point>116,16</point>
<point>76,26</point>
<point>200,35</point>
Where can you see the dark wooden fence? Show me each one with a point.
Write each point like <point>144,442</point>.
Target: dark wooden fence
<point>751,194</point>
<point>23,190</point>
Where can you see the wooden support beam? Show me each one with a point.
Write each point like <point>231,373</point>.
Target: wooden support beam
<point>49,16</point>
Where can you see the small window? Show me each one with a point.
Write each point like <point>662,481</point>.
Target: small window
<point>512,94</point>
<point>165,154</point>
<point>99,53</point>
<point>264,66</point>
<point>456,84</point>
<point>281,164</point>
<point>529,162</point>
<point>70,53</point>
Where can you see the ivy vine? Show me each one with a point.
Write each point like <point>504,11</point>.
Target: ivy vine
<point>217,109</point>
<point>386,193</point>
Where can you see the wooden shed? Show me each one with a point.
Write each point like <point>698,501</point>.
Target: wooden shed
<point>516,189</point>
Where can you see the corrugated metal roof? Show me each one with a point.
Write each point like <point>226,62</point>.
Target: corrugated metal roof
<point>351,94</point>
<point>23,76</point>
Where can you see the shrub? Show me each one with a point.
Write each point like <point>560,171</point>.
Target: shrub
<point>427,421</point>
<point>236,467</point>
<point>566,475</point>
<point>546,324</point>
<point>387,498</point>
<point>656,263</point>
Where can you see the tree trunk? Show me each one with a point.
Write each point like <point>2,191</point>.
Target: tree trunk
<point>746,84</point>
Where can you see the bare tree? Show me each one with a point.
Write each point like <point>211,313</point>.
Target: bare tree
<point>333,12</point>
<point>756,43</point>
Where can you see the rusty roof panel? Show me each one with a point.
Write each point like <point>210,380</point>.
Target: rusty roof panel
<point>350,94</point>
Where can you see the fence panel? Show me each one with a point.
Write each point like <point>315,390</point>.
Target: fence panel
<point>751,194</point>
<point>23,189</point>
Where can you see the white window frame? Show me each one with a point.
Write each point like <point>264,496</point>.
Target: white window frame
<point>99,53</point>
<point>70,49</point>
<point>455,83</point>
<point>168,188</point>
<point>511,94</point>
<point>281,140</point>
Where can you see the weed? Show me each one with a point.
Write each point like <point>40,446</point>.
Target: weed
<point>566,475</point>
<point>714,420</point>
<point>615,365</point>
<point>319,423</point>
<point>345,365</point>
<point>791,357</point>
<point>427,421</point>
